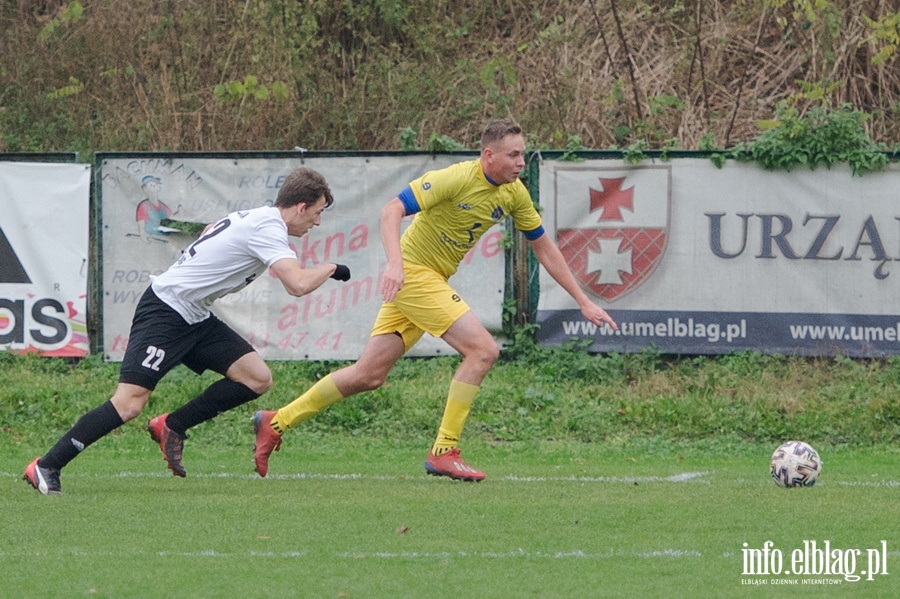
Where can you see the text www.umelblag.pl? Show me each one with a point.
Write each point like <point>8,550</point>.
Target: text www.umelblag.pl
<point>730,331</point>
<point>693,328</point>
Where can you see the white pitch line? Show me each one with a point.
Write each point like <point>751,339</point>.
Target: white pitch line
<point>251,554</point>
<point>523,553</point>
<point>866,483</point>
<point>683,477</point>
<point>675,478</point>
<point>576,554</point>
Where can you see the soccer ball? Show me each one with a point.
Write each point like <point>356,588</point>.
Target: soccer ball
<point>795,464</point>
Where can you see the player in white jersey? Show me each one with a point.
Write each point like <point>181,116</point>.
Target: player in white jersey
<point>173,325</point>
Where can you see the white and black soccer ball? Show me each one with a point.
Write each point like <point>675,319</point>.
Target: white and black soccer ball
<point>795,464</point>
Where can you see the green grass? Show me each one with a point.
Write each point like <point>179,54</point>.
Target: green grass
<point>343,516</point>
<point>608,476</point>
<point>560,394</point>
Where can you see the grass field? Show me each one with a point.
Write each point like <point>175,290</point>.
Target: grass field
<point>341,516</point>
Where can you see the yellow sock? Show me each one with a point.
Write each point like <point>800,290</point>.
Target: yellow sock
<point>320,396</point>
<point>459,400</point>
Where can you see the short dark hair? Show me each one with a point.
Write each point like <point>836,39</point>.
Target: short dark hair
<point>497,130</point>
<point>303,186</point>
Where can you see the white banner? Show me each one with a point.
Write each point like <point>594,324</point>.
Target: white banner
<point>690,258</point>
<point>332,323</point>
<point>44,212</point>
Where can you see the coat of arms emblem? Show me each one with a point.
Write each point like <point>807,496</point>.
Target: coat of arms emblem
<point>617,243</point>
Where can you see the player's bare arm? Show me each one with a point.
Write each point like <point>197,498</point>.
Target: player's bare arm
<point>552,260</point>
<point>300,281</point>
<point>392,280</point>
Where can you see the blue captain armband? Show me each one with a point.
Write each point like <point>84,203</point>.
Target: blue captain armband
<point>409,201</point>
<point>534,233</point>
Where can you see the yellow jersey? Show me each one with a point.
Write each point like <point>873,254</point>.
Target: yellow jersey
<point>453,208</point>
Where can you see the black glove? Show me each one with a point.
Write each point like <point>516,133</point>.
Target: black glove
<point>341,273</point>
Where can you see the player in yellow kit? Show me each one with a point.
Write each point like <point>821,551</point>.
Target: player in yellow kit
<point>454,207</point>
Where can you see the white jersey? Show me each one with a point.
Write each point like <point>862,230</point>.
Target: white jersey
<point>232,253</point>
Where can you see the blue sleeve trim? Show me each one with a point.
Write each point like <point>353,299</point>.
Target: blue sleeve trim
<point>534,233</point>
<point>409,201</point>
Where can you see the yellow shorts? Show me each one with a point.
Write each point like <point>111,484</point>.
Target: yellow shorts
<point>426,302</point>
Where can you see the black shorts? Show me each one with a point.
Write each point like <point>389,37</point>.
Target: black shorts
<point>160,339</point>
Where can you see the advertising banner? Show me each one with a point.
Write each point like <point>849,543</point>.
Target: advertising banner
<point>145,197</point>
<point>690,258</point>
<point>44,212</point>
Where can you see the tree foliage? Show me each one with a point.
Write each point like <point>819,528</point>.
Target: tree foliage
<point>821,137</point>
<point>164,75</point>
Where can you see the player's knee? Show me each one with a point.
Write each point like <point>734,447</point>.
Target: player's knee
<point>129,405</point>
<point>487,353</point>
<point>493,352</point>
<point>362,376</point>
<point>128,412</point>
<point>370,381</point>
<point>260,382</point>
<point>252,372</point>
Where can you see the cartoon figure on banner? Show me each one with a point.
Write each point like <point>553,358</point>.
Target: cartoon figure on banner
<point>151,211</point>
<point>619,252</point>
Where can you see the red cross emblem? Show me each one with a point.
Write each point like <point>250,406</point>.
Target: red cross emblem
<point>621,239</point>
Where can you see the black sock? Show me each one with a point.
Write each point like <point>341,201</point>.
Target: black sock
<point>219,397</point>
<point>94,425</point>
